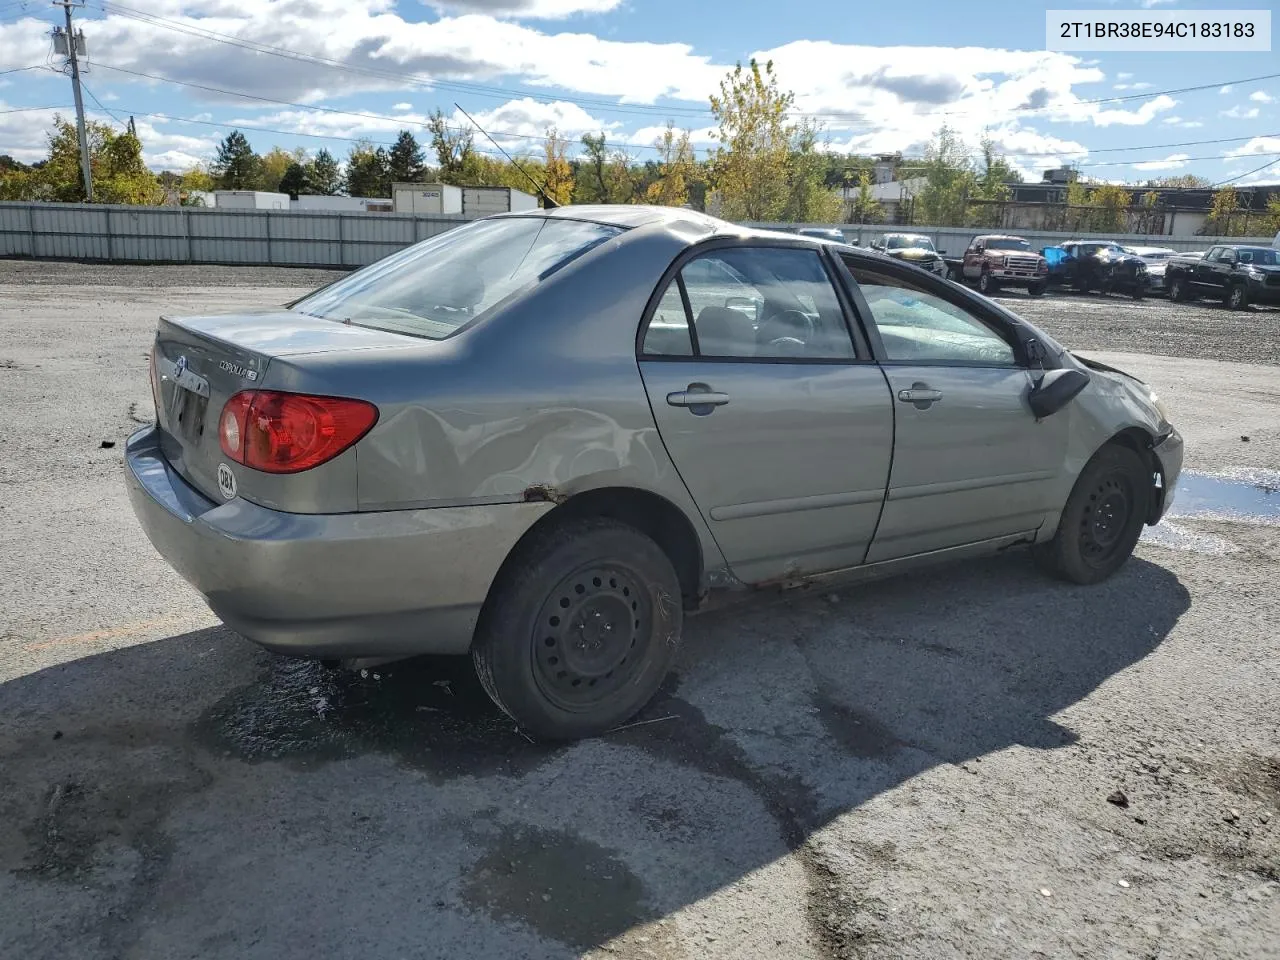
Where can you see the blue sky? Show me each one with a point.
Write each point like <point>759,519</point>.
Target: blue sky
<point>879,76</point>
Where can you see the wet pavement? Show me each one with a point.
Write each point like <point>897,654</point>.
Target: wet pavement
<point>1248,496</point>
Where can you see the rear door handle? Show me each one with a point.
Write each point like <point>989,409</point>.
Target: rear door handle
<point>697,396</point>
<point>919,395</point>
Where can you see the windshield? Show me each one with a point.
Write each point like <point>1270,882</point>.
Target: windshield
<point>1007,243</point>
<point>1259,255</point>
<point>434,287</point>
<point>908,243</point>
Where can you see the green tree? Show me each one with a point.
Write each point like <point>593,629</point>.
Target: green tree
<point>949,181</point>
<point>558,175</point>
<point>809,199</point>
<point>750,166</point>
<point>677,168</point>
<point>455,151</point>
<point>324,174</point>
<point>404,161</point>
<point>865,208</point>
<point>1186,181</point>
<point>1111,202</point>
<point>368,174</point>
<point>274,164</point>
<point>1149,219</point>
<point>236,166</point>
<point>115,162</point>
<point>196,180</point>
<point>296,180</point>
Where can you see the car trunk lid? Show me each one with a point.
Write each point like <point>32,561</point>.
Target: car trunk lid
<point>201,362</point>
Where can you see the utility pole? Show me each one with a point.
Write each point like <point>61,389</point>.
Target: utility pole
<point>72,55</point>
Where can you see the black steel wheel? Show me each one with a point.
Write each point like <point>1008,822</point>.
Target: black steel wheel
<point>580,628</point>
<point>1102,519</point>
<point>587,635</point>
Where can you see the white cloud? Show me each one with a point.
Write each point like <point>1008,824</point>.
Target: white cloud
<point>1148,4</point>
<point>1176,121</point>
<point>1135,118</point>
<point>1124,76</point>
<point>531,9</point>
<point>1134,86</point>
<point>1256,146</point>
<point>1240,112</point>
<point>1261,96</point>
<point>402,107</point>
<point>1225,89</point>
<point>1172,162</point>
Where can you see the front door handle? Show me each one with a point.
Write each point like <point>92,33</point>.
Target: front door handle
<point>697,395</point>
<point>920,394</point>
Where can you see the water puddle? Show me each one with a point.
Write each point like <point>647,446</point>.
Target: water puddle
<point>1245,495</point>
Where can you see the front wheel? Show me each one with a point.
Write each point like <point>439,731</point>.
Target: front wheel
<point>987,284</point>
<point>1139,291</point>
<point>1037,289</point>
<point>1178,290</point>
<point>1102,519</point>
<point>1237,297</point>
<point>580,629</point>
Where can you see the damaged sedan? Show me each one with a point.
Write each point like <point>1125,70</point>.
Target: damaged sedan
<point>541,439</point>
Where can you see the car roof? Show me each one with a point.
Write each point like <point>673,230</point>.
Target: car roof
<point>999,236</point>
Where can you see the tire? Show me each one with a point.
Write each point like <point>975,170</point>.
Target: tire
<point>1178,290</point>
<point>1037,289</point>
<point>1102,519</point>
<point>580,629</point>
<point>1139,291</point>
<point>986,285</point>
<point>1237,297</point>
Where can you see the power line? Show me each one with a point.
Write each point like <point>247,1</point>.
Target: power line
<point>101,106</point>
<point>56,106</point>
<point>1249,173</point>
<point>34,66</point>
<point>508,93</point>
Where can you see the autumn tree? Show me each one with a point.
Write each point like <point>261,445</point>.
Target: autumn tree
<point>604,175</point>
<point>677,169</point>
<point>405,161</point>
<point>1222,212</point>
<point>809,200</point>
<point>236,166</point>
<point>274,164</point>
<point>558,174</point>
<point>1185,181</point>
<point>115,161</point>
<point>324,174</point>
<point>749,167</point>
<point>454,149</point>
<point>368,173</point>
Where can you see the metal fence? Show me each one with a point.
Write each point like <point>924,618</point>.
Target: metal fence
<point>322,238</point>
<point>196,235</point>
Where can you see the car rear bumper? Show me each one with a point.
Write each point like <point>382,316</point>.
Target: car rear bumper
<point>1169,455</point>
<point>377,584</point>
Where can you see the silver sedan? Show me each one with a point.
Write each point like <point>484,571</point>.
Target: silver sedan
<point>542,439</point>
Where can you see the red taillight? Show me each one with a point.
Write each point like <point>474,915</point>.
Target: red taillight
<point>289,432</point>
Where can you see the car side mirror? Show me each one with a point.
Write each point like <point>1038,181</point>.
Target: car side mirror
<point>941,253</point>
<point>1055,390</point>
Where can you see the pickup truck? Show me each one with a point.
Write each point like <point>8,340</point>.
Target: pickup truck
<point>913,248</point>
<point>1235,273</point>
<point>993,261</point>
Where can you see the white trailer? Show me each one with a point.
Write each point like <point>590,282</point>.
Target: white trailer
<point>426,198</point>
<point>483,201</point>
<point>250,200</point>
<point>342,204</point>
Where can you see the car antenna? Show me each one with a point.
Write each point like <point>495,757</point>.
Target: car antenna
<point>542,192</point>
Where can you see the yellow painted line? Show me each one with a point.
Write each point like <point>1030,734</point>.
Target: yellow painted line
<point>94,636</point>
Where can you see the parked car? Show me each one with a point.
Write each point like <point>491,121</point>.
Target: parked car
<point>1101,265</point>
<point>822,233</point>
<point>541,438</point>
<point>1156,259</point>
<point>993,261</point>
<point>1235,273</point>
<point>912,248</point>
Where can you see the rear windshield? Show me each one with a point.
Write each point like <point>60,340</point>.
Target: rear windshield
<point>434,287</point>
<point>1007,243</point>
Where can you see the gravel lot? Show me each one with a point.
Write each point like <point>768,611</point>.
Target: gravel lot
<point>915,768</point>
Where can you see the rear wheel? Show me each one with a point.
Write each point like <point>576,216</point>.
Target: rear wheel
<point>1037,289</point>
<point>580,630</point>
<point>1139,290</point>
<point>1178,290</point>
<point>1102,520</point>
<point>1237,297</point>
<point>987,284</point>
